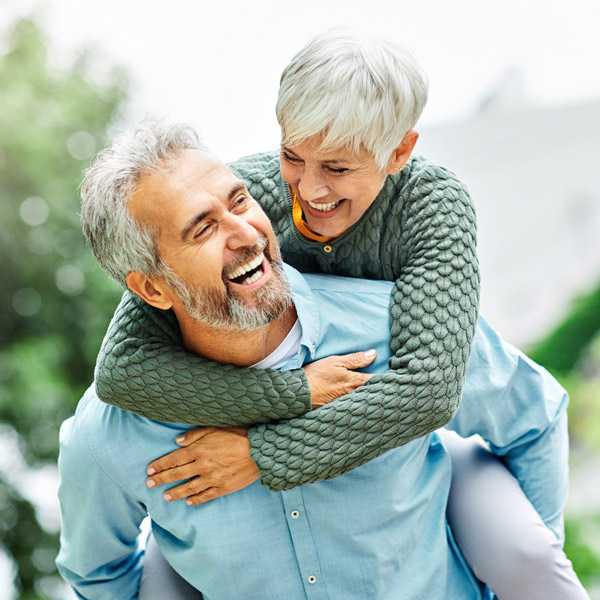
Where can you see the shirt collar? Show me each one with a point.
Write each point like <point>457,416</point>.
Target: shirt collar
<point>306,309</point>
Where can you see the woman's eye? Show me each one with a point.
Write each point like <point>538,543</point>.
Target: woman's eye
<point>333,171</point>
<point>289,158</point>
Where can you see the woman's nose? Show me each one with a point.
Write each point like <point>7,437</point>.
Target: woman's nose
<point>311,185</point>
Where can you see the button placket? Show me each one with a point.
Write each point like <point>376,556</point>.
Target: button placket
<point>304,544</point>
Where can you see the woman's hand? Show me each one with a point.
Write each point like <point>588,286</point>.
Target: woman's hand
<point>332,377</point>
<point>216,462</point>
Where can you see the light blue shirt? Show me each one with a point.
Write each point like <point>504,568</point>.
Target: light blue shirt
<point>378,532</point>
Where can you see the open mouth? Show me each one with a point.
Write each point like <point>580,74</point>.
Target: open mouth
<point>249,272</point>
<point>324,206</point>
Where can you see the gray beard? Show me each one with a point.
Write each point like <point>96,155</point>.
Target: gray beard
<point>220,308</point>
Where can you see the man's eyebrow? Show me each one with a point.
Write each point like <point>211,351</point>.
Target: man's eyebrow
<point>235,188</point>
<point>193,222</point>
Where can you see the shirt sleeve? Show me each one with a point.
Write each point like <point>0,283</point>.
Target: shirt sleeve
<point>433,315</point>
<point>520,410</point>
<point>142,367</point>
<point>99,556</point>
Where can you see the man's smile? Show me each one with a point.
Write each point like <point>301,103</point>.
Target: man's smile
<point>249,272</point>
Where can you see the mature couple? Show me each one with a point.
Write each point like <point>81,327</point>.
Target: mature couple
<point>356,493</point>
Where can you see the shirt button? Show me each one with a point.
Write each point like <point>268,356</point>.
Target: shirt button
<point>312,579</point>
<point>327,249</point>
<point>295,514</point>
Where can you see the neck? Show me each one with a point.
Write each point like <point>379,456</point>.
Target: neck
<point>240,348</point>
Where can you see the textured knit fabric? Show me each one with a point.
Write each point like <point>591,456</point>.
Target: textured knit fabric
<point>420,233</point>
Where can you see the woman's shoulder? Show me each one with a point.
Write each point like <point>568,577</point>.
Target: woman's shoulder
<point>423,180</point>
<point>262,165</point>
<point>420,169</point>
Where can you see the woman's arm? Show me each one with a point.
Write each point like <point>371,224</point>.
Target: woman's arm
<point>433,315</point>
<point>143,368</point>
<point>431,243</point>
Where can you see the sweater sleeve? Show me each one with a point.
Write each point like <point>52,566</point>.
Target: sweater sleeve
<point>433,316</point>
<point>142,367</point>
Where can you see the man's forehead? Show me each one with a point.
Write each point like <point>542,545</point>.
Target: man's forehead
<point>191,175</point>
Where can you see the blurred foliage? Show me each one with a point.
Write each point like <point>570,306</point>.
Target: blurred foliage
<point>572,353</point>
<point>560,351</point>
<point>55,302</point>
<point>581,546</point>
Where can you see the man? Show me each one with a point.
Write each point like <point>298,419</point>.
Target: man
<point>377,532</point>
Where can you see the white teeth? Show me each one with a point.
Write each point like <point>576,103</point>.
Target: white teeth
<point>252,264</point>
<point>253,278</point>
<point>323,206</point>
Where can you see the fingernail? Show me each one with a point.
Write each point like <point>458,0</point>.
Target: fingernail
<point>150,483</point>
<point>189,502</point>
<point>168,497</point>
<point>151,471</point>
<point>180,439</point>
<point>370,353</point>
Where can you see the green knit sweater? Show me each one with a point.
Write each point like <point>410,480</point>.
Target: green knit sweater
<point>421,233</point>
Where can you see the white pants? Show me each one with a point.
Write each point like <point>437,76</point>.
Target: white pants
<point>499,532</point>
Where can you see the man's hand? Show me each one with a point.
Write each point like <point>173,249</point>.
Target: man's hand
<point>216,461</point>
<point>332,377</point>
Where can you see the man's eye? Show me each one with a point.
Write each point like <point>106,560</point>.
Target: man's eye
<point>203,230</point>
<point>240,201</point>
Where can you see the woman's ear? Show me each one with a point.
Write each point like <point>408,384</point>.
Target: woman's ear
<point>402,153</point>
<point>154,291</point>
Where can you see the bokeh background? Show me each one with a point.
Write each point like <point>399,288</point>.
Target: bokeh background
<point>514,109</point>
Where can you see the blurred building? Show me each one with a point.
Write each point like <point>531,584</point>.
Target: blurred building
<point>534,174</point>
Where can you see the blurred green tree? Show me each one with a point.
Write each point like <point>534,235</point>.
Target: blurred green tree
<point>571,351</point>
<point>563,348</point>
<point>55,301</point>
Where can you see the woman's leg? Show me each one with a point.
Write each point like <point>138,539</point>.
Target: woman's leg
<point>159,581</point>
<point>500,533</point>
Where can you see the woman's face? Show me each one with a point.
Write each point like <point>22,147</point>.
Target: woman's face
<point>334,188</point>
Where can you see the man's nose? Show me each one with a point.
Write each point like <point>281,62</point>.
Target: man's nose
<point>241,232</point>
<point>312,185</point>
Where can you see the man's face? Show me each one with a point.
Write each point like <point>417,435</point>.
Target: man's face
<point>224,258</point>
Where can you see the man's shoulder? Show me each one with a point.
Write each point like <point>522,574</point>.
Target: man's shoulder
<point>79,435</point>
<point>342,314</point>
<point>337,284</point>
<point>105,433</point>
<point>98,433</point>
<point>334,285</point>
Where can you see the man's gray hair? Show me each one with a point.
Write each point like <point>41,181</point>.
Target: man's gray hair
<point>118,241</point>
<point>352,90</point>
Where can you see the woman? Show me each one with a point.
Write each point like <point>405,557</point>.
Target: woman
<point>345,196</point>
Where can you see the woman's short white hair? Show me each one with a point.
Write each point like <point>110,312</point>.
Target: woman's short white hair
<point>118,241</point>
<point>351,91</point>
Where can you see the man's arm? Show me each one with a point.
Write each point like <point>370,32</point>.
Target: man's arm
<point>99,555</point>
<point>520,410</point>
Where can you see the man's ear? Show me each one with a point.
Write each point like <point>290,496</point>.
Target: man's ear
<point>154,291</point>
<point>402,153</point>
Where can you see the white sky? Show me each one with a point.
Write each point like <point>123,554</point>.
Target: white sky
<point>217,64</point>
